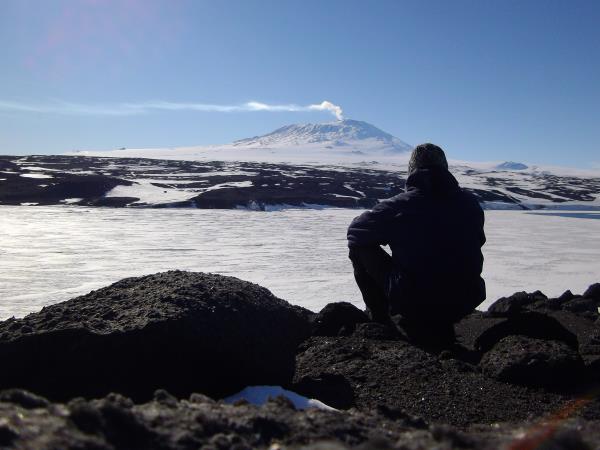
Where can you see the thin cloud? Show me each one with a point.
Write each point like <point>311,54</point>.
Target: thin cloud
<point>130,109</point>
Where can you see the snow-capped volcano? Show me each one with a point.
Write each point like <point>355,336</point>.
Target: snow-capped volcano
<point>330,142</point>
<point>349,135</point>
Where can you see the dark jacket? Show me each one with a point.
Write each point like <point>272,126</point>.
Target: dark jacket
<point>435,232</point>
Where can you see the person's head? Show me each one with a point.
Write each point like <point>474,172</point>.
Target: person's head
<point>426,156</point>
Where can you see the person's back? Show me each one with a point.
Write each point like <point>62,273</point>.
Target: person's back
<point>435,233</point>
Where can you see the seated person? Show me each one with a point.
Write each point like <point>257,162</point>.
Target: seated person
<point>435,233</point>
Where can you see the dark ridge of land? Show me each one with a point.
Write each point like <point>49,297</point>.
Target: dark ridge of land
<point>86,181</point>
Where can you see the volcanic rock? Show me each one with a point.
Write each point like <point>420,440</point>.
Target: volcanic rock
<point>8,165</point>
<point>566,296</point>
<point>532,362</point>
<point>585,305</point>
<point>593,292</point>
<point>481,331</point>
<point>333,390</point>
<point>337,318</point>
<point>377,331</point>
<point>62,187</point>
<point>470,329</point>
<point>581,305</point>
<point>115,202</point>
<point>181,331</point>
<point>116,423</point>
<point>588,338</point>
<point>23,398</point>
<point>159,338</point>
<point>516,303</point>
<point>398,375</point>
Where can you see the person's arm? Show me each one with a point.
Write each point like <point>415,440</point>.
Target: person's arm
<point>371,227</point>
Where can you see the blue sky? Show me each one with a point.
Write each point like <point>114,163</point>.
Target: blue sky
<point>486,80</point>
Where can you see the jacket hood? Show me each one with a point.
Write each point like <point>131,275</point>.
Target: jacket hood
<point>433,180</point>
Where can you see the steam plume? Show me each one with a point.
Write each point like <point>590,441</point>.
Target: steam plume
<point>328,106</point>
<point>130,109</point>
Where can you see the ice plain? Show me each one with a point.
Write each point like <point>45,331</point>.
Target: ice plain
<point>53,253</point>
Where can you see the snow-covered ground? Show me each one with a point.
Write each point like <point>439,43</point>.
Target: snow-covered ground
<point>50,254</point>
<point>259,395</point>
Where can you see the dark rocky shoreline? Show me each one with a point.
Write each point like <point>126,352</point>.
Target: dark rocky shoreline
<point>142,364</point>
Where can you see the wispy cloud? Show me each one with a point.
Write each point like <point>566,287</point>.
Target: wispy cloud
<point>130,109</point>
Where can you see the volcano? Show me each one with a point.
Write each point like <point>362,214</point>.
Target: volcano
<point>347,135</point>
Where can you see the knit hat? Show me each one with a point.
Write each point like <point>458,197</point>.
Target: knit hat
<point>425,156</point>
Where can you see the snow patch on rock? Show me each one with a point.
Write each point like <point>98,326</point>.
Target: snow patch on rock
<point>259,395</point>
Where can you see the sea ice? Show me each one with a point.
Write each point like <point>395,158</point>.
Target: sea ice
<point>52,253</point>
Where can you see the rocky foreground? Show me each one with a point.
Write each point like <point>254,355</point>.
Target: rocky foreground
<point>143,364</point>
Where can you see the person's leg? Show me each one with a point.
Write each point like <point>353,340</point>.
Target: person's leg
<point>372,268</point>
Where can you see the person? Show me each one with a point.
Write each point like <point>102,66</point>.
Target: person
<point>435,231</point>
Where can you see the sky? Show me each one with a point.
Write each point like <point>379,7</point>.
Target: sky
<point>487,80</point>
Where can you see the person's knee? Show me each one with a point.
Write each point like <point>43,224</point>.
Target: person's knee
<point>358,257</point>
<point>364,253</point>
<point>354,253</point>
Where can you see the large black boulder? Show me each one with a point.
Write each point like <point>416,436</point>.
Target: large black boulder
<point>481,331</point>
<point>533,362</point>
<point>337,318</point>
<point>185,332</point>
<point>588,338</point>
<point>593,292</point>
